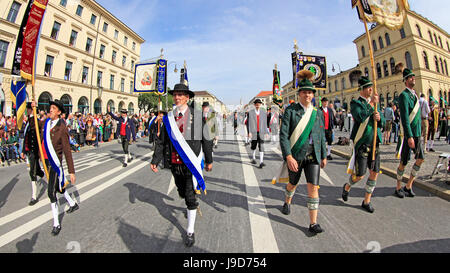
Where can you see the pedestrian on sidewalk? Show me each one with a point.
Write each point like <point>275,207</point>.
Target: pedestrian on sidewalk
<point>180,142</point>
<point>433,121</point>
<point>126,131</point>
<point>389,118</point>
<point>302,141</point>
<point>425,111</point>
<point>410,114</point>
<point>363,112</point>
<point>329,125</point>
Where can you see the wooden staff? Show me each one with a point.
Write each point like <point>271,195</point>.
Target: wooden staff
<point>372,64</point>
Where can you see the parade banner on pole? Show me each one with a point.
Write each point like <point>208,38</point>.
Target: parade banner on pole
<point>183,76</point>
<point>144,77</point>
<point>161,77</point>
<point>316,64</point>
<point>18,52</point>
<point>30,39</point>
<point>390,13</point>
<point>19,96</point>
<point>276,89</point>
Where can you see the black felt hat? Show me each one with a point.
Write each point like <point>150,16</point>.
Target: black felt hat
<point>205,104</point>
<point>257,101</point>
<point>182,88</point>
<point>58,104</point>
<point>364,82</point>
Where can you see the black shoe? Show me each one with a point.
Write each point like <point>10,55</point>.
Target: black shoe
<point>56,230</point>
<point>400,193</point>
<point>315,228</point>
<point>253,161</point>
<point>131,159</point>
<point>286,209</point>
<point>124,165</point>
<point>40,174</point>
<point>72,209</point>
<point>408,193</point>
<point>262,165</point>
<point>32,202</point>
<point>329,157</point>
<point>368,207</point>
<point>344,193</point>
<point>431,150</point>
<point>189,240</point>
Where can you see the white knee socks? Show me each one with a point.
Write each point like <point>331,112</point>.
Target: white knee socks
<point>33,189</point>
<point>69,199</point>
<point>329,150</point>
<point>261,157</point>
<point>254,155</point>
<point>191,220</point>
<point>55,214</point>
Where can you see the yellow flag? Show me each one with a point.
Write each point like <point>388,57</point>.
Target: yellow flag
<point>391,13</point>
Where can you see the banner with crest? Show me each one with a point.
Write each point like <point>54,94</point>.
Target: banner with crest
<point>390,13</point>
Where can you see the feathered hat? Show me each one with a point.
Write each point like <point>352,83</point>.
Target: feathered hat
<point>400,68</point>
<point>305,81</point>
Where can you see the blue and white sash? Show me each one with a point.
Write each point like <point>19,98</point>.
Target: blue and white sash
<point>151,122</point>
<point>194,163</point>
<point>52,156</point>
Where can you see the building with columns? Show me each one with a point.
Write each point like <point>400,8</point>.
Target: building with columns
<point>86,56</point>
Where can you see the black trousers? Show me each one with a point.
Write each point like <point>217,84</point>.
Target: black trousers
<point>329,136</point>
<point>183,181</point>
<point>53,184</point>
<point>125,144</point>
<point>311,168</point>
<point>35,168</point>
<point>363,160</point>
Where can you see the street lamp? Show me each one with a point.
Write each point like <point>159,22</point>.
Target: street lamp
<point>332,67</point>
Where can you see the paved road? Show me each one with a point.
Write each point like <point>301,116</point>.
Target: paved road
<point>134,210</point>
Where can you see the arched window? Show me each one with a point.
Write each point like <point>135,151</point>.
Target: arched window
<point>388,39</point>
<point>440,99</point>
<point>431,36</point>
<point>374,44</point>
<point>131,108</point>
<point>435,39</point>
<point>83,105</point>
<point>425,60</point>
<point>440,42</point>
<point>442,65</point>
<point>436,63</point>
<point>121,105</point>
<point>44,102</point>
<point>380,41</point>
<point>418,31</point>
<point>402,33</point>
<point>67,102</point>
<point>392,62</point>
<point>379,75</point>
<point>343,83</point>
<point>366,72</point>
<point>111,106</point>
<point>363,51</point>
<point>385,68</point>
<point>97,106</point>
<point>381,100</point>
<point>329,87</point>
<point>408,60</point>
<point>445,66</point>
<point>388,98</point>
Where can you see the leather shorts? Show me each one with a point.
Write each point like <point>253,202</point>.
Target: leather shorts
<point>363,160</point>
<point>311,168</point>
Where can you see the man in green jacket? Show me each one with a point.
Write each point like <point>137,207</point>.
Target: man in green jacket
<point>410,121</point>
<point>302,140</point>
<point>364,116</point>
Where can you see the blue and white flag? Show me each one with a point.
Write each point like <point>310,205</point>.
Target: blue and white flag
<point>194,163</point>
<point>151,122</point>
<point>52,156</point>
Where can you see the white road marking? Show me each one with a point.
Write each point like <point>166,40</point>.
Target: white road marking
<point>262,233</point>
<point>22,212</point>
<point>171,185</point>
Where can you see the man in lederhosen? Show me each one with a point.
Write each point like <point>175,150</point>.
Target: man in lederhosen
<point>56,142</point>
<point>257,126</point>
<point>411,126</point>
<point>363,113</point>
<point>125,130</point>
<point>191,139</point>
<point>31,150</point>
<point>302,140</point>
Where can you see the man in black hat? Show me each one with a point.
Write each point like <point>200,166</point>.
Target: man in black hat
<point>329,125</point>
<point>210,118</point>
<point>257,125</point>
<point>31,150</point>
<point>192,129</point>
<point>56,142</point>
<point>125,130</point>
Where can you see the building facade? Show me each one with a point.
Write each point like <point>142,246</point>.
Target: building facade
<point>214,102</point>
<point>266,98</point>
<point>86,56</point>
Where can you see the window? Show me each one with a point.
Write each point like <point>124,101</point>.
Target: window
<point>388,39</point>
<point>55,30</point>
<point>114,54</point>
<point>79,10</point>
<point>93,19</point>
<point>102,51</point>
<point>363,51</point>
<point>134,46</point>
<point>116,34</point>
<point>418,31</point>
<point>440,42</point>
<point>435,39</point>
<point>392,62</point>
<point>122,85</point>
<point>445,65</point>
<point>105,27</point>
<point>366,72</point>
<point>379,75</point>
<point>68,71</point>
<point>329,87</point>
<point>442,65</point>
<point>3,50</point>
<point>88,44</point>
<point>111,82</point>
<point>48,66</point>
<point>402,33</point>
<point>73,38</point>
<point>131,87</point>
<point>425,60</point>
<point>448,46</point>
<point>335,85</point>
<point>13,11</point>
<point>431,36</point>
<point>408,60</point>
<point>374,44</point>
<point>63,3</point>
<point>125,40</point>
<point>343,83</point>
<point>124,61</point>
<point>436,63</point>
<point>99,78</point>
<point>84,76</point>
<point>385,68</point>
<point>132,65</point>
<point>380,41</point>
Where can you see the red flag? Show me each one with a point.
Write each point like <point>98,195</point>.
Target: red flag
<point>31,37</point>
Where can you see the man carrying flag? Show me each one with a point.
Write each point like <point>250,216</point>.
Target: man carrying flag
<point>410,123</point>
<point>362,135</point>
<point>181,141</point>
<point>56,142</point>
<point>302,140</point>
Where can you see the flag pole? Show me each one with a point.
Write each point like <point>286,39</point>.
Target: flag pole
<point>372,64</point>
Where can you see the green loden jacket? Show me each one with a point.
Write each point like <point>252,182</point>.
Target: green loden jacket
<point>361,110</point>
<point>406,101</point>
<point>291,118</point>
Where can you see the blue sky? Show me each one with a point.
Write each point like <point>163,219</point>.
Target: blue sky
<point>231,46</point>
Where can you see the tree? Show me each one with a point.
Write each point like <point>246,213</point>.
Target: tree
<point>148,102</point>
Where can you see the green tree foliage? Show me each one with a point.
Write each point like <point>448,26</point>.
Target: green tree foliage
<point>148,102</point>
